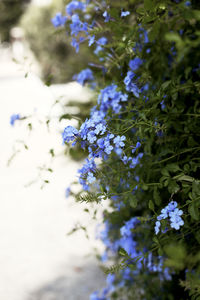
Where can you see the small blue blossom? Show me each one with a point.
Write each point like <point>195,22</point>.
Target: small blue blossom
<point>118,141</point>
<point>95,296</point>
<point>135,161</point>
<point>172,206</point>
<point>126,230</point>
<point>90,177</point>
<point>106,16</point>
<point>125,13</point>
<point>75,43</point>
<point>135,63</point>
<point>173,214</point>
<point>14,118</point>
<point>69,134</point>
<point>109,97</point>
<point>138,145</point>
<point>77,26</point>
<point>187,3</point>
<point>91,40</point>
<point>91,137</point>
<point>100,129</point>
<point>164,214</point>
<point>67,192</point>
<point>84,75</point>
<point>157,227</point>
<point>130,85</point>
<point>162,103</point>
<point>75,5</point>
<point>100,42</point>
<point>59,20</point>
<point>175,219</point>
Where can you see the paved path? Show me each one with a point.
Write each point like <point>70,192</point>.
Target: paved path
<point>37,260</point>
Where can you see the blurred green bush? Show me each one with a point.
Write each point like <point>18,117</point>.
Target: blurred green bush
<point>57,58</point>
<point>10,12</point>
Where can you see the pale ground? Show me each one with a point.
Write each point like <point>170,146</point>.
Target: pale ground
<point>37,260</point>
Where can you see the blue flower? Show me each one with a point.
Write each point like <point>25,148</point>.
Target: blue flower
<point>162,103</point>
<point>95,296</point>
<point>125,13</point>
<point>100,129</point>
<point>135,160</point>
<point>126,230</point>
<point>130,86</point>
<point>187,3</point>
<point>106,16</point>
<point>100,42</point>
<point>14,118</point>
<point>118,141</point>
<point>75,43</point>
<point>135,63</point>
<point>138,145</point>
<point>175,219</point>
<point>69,134</point>
<point>109,97</point>
<point>77,26</point>
<point>75,5</point>
<point>59,20</point>
<point>157,227</point>
<point>84,75</point>
<point>91,40</point>
<point>67,192</point>
<point>108,147</point>
<point>172,205</point>
<point>90,177</point>
<point>164,214</point>
<point>110,279</point>
<point>173,213</point>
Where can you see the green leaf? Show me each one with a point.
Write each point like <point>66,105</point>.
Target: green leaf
<point>151,205</point>
<point>165,84</point>
<point>154,31</point>
<point>133,202</point>
<point>123,252</point>
<point>156,196</point>
<point>164,172</point>
<point>173,187</point>
<point>173,167</point>
<point>194,212</point>
<point>196,188</point>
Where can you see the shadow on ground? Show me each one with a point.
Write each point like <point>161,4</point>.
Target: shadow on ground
<point>77,282</point>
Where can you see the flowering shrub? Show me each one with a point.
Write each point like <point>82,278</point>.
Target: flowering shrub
<point>142,141</point>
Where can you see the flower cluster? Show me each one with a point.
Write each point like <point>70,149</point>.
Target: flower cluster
<point>95,137</point>
<point>171,213</point>
<point>109,97</point>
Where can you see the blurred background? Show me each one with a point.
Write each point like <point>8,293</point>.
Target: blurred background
<point>38,260</point>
